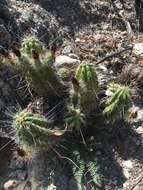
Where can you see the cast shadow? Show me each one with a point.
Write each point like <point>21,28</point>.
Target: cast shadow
<point>120,142</point>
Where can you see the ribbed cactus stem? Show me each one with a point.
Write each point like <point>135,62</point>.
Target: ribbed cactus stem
<point>86,75</point>
<point>38,68</point>
<point>88,100</point>
<point>32,129</point>
<point>119,102</point>
<point>44,79</point>
<point>74,97</point>
<point>75,91</point>
<point>31,43</point>
<point>75,118</point>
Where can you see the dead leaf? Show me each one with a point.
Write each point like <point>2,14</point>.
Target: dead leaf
<point>133,115</point>
<point>140,61</point>
<point>59,133</point>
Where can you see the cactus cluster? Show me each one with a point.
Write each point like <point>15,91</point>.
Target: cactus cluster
<point>119,102</point>
<point>35,131</point>
<point>38,66</point>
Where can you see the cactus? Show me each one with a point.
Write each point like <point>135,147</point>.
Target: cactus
<point>44,79</point>
<point>87,100</point>
<point>75,91</point>
<point>31,44</point>
<point>75,118</point>
<point>32,129</point>
<point>87,74</point>
<point>113,87</point>
<point>88,83</point>
<point>120,101</point>
<point>75,96</point>
<point>64,74</point>
<point>38,67</point>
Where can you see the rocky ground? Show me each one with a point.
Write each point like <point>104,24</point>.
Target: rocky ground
<point>83,30</point>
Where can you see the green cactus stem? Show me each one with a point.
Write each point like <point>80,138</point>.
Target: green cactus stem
<point>87,100</point>
<point>38,68</point>
<point>113,87</point>
<point>30,43</point>
<point>75,96</point>
<point>75,91</point>
<point>75,118</point>
<point>43,78</point>
<point>87,74</point>
<point>88,81</point>
<point>64,74</point>
<point>118,104</point>
<point>34,130</point>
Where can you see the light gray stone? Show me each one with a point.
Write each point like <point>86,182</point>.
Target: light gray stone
<point>139,130</point>
<point>66,61</point>
<point>138,49</point>
<point>126,173</point>
<point>67,50</point>
<point>73,56</point>
<point>128,164</point>
<point>51,187</point>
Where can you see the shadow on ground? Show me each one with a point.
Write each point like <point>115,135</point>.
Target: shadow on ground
<point>115,145</point>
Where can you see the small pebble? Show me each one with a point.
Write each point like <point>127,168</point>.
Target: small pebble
<point>67,29</point>
<point>111,72</point>
<point>77,40</point>
<point>138,49</point>
<point>103,68</point>
<point>51,187</point>
<point>66,61</point>
<point>139,130</point>
<point>108,93</point>
<point>73,56</point>
<point>128,164</point>
<point>119,5</point>
<point>125,185</point>
<point>140,115</point>
<point>67,50</point>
